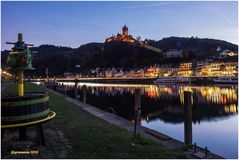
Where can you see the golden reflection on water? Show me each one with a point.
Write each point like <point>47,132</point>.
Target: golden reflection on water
<point>231,108</point>
<point>223,95</point>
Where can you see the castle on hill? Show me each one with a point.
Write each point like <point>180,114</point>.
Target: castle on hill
<point>125,37</point>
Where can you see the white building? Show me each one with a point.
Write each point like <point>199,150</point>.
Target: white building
<point>173,53</point>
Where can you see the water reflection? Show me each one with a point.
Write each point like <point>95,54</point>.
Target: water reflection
<point>164,102</point>
<point>214,108</point>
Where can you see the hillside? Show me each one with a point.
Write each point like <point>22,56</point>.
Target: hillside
<point>60,59</point>
<point>201,47</point>
<point>121,54</point>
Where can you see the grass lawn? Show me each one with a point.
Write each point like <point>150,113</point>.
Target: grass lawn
<point>74,133</point>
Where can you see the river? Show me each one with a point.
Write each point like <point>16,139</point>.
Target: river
<point>214,110</point>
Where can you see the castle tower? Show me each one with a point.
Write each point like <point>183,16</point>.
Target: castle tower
<point>125,31</point>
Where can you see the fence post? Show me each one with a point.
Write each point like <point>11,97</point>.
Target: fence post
<point>84,93</point>
<point>75,89</point>
<point>65,90</point>
<point>137,110</point>
<point>188,118</point>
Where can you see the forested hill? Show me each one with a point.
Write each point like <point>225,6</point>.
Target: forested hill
<point>202,47</point>
<point>60,59</point>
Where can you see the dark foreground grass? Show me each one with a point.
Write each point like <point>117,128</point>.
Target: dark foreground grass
<point>74,133</point>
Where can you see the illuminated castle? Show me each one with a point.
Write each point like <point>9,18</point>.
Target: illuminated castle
<point>125,37</point>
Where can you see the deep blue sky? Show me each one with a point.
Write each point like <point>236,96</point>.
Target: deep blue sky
<point>75,23</point>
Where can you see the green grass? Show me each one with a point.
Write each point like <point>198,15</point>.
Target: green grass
<point>91,137</point>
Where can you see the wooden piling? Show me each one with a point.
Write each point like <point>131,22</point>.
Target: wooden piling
<point>40,135</point>
<point>75,89</point>
<point>84,93</point>
<point>137,110</point>
<point>187,118</point>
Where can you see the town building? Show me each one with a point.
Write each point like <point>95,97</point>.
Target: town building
<point>185,69</point>
<point>173,53</point>
<point>137,72</point>
<point>150,72</point>
<point>110,72</point>
<point>217,68</point>
<point>168,70</point>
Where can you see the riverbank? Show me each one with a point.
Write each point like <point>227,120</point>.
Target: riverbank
<point>169,142</point>
<point>208,81</point>
<point>74,133</point>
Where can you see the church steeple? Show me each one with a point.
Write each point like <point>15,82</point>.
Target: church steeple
<point>125,30</point>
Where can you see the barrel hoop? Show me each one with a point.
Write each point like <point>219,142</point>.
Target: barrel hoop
<point>23,121</point>
<point>50,116</point>
<point>30,102</point>
<point>24,117</point>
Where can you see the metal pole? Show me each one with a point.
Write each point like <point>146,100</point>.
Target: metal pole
<point>20,83</point>
<point>187,118</point>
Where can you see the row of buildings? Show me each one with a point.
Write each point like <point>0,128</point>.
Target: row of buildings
<point>206,68</point>
<point>175,53</point>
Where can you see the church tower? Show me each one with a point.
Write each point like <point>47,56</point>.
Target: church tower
<point>125,31</point>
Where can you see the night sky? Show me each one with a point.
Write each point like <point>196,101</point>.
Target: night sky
<point>75,23</point>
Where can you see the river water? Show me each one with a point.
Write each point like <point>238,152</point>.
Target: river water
<point>214,110</point>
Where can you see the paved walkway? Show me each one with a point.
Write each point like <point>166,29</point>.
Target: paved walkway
<point>167,141</point>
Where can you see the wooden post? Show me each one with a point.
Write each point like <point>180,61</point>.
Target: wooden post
<point>137,110</point>
<point>65,88</point>
<point>75,89</point>
<point>62,88</point>
<point>84,94</point>
<point>187,118</point>
<point>40,135</point>
<point>138,104</point>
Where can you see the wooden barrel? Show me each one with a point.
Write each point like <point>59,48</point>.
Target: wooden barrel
<point>31,107</point>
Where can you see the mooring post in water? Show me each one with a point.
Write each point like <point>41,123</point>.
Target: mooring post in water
<point>75,89</point>
<point>84,93</point>
<point>188,118</point>
<point>137,110</point>
<point>206,152</point>
<point>195,148</point>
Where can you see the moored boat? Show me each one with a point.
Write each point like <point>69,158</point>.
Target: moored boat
<point>226,79</point>
<point>172,79</point>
